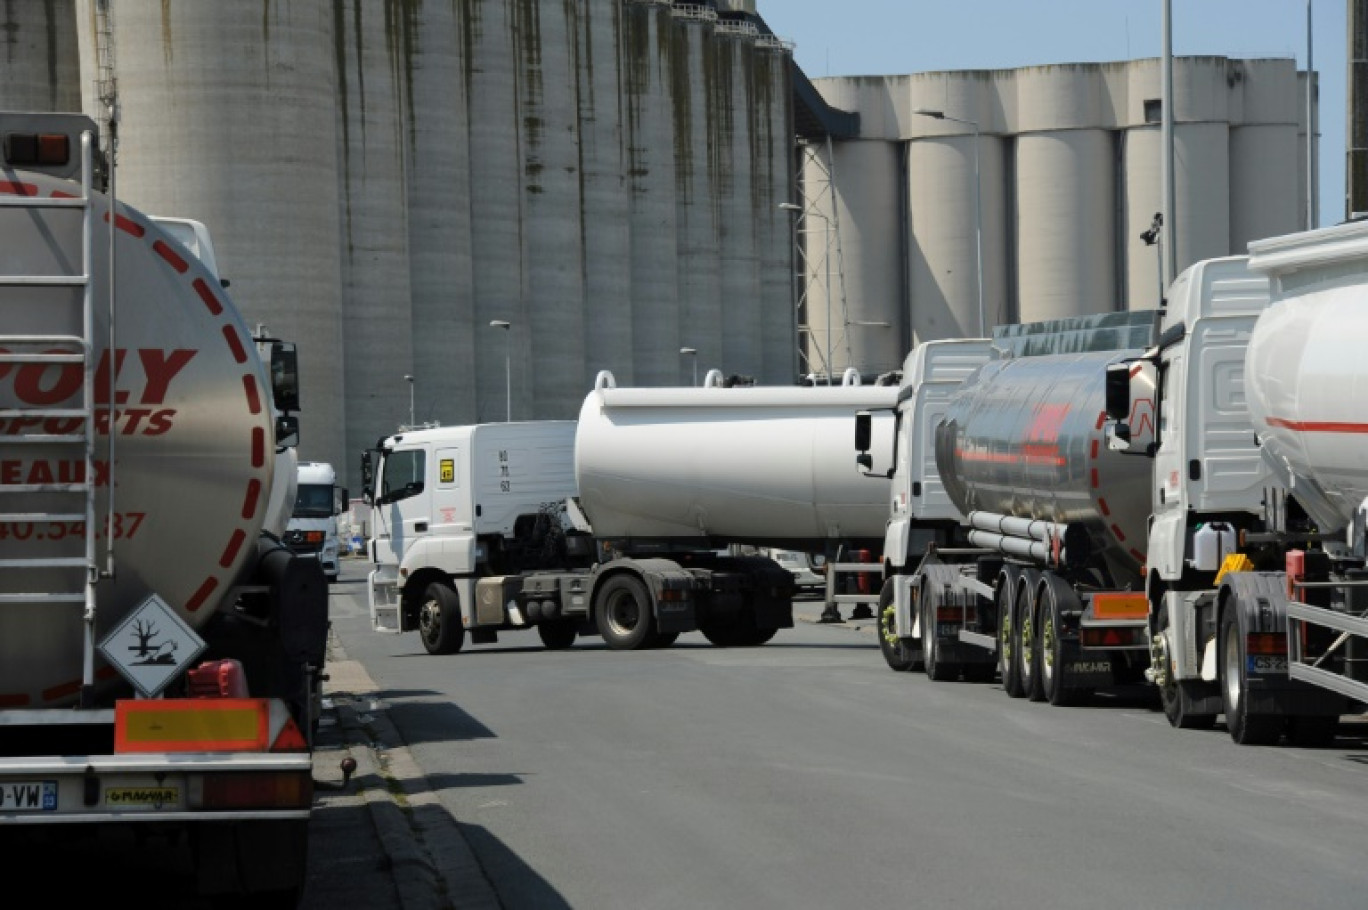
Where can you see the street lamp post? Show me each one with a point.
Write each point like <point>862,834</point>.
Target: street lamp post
<point>691,352</point>
<point>409,379</point>
<point>826,261</point>
<point>978,206</point>
<point>508,365</point>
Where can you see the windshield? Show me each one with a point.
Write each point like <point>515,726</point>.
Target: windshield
<point>313,500</point>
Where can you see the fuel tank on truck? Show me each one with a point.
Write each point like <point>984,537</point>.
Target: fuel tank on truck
<point>192,426</point>
<point>1023,437</point>
<point>1306,372</point>
<point>767,465</point>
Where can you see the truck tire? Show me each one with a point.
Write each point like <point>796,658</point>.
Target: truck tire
<point>899,653</point>
<point>937,670</point>
<point>1177,696</point>
<point>558,634</point>
<point>439,620</point>
<point>623,614</point>
<point>1004,595</point>
<point>1245,728</point>
<point>1051,659</point>
<point>1024,619</point>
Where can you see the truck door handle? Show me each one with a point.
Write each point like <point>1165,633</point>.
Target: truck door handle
<point>420,526</point>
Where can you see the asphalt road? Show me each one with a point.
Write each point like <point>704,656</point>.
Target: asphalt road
<point>806,774</point>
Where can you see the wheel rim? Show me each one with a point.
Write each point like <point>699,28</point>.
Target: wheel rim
<point>430,620</point>
<point>888,626</point>
<point>1004,639</point>
<point>1027,641</point>
<point>624,614</point>
<point>1047,653</point>
<point>1231,666</point>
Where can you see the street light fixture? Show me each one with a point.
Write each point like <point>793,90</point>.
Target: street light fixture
<point>409,379</point>
<point>978,205</point>
<point>508,364</point>
<point>826,261</point>
<point>692,352</point>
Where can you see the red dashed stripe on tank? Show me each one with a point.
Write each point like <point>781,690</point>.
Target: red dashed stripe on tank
<point>208,296</point>
<point>171,256</point>
<point>200,596</point>
<point>235,344</point>
<point>14,188</point>
<point>249,505</point>
<point>258,447</point>
<point>230,552</point>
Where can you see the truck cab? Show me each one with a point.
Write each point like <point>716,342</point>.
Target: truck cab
<point>312,529</point>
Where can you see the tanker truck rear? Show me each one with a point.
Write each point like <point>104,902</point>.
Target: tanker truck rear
<point>160,651</point>
<point>1015,539</point>
<point>612,524</point>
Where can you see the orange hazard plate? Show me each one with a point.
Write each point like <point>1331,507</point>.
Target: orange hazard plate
<point>192,725</point>
<point>1120,606</point>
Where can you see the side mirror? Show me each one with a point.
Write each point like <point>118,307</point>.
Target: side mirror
<point>864,432</point>
<point>340,500</point>
<point>285,376</point>
<point>1118,391</point>
<point>287,431</point>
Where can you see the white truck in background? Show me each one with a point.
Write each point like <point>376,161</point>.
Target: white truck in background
<point>160,650</point>
<point>312,530</point>
<point>620,523</point>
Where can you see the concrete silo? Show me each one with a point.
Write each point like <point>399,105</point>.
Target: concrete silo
<point>650,121</point>
<point>1274,112</point>
<point>40,68</point>
<point>771,152</point>
<point>730,119</point>
<point>548,115</point>
<point>497,242</point>
<point>697,200</point>
<point>445,333</point>
<point>232,120</point>
<point>372,87</point>
<point>606,199</point>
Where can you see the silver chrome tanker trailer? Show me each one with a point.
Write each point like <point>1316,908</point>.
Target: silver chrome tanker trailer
<point>1034,571</point>
<point>160,651</point>
<point>661,483</point>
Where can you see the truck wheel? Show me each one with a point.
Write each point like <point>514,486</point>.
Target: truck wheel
<point>936,669</point>
<point>439,620</point>
<point>1028,668</point>
<point>558,634</point>
<point>1051,654</point>
<point>623,614</point>
<point>1176,695</point>
<point>1245,728</point>
<point>898,653</point>
<point>1005,596</point>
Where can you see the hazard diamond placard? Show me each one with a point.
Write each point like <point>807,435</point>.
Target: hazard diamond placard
<point>151,646</point>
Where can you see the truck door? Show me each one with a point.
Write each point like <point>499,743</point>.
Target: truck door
<point>403,504</point>
<point>451,499</point>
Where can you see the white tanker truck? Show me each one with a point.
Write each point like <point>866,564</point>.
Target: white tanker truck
<point>160,650</point>
<point>1114,507</point>
<point>613,524</point>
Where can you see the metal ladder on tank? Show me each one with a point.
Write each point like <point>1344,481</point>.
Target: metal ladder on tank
<point>38,349</point>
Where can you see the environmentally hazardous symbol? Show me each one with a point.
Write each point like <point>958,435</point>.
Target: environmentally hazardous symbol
<point>151,645</point>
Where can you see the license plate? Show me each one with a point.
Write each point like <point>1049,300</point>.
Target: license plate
<point>1263,663</point>
<point>29,796</point>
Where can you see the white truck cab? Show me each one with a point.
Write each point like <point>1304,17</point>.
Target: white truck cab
<point>312,529</point>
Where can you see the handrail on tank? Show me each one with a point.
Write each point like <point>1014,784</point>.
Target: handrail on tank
<point>714,379</point>
<point>850,377</point>
<point>604,380</point>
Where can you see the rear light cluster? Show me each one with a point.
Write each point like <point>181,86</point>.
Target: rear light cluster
<point>37,149</point>
<point>1112,637</point>
<point>251,790</point>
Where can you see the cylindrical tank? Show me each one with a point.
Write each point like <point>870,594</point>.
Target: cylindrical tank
<point>194,444</point>
<point>552,204</point>
<point>1024,437</point>
<point>1304,372</point>
<point>769,465</point>
<point>1066,219</point>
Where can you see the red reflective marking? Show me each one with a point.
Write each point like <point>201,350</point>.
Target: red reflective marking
<point>129,226</point>
<point>1135,370</point>
<point>1101,419</point>
<point>64,690</point>
<point>200,596</point>
<point>1012,458</point>
<point>1094,478</point>
<point>210,300</point>
<point>1318,426</point>
<point>1139,557</point>
<point>63,194</point>
<point>1094,448</point>
<point>1117,531</point>
<point>230,552</point>
<point>258,447</point>
<point>170,256</point>
<point>253,399</point>
<point>1102,504</point>
<point>249,505</point>
<point>13,701</point>
<point>234,344</point>
<point>13,188</point>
